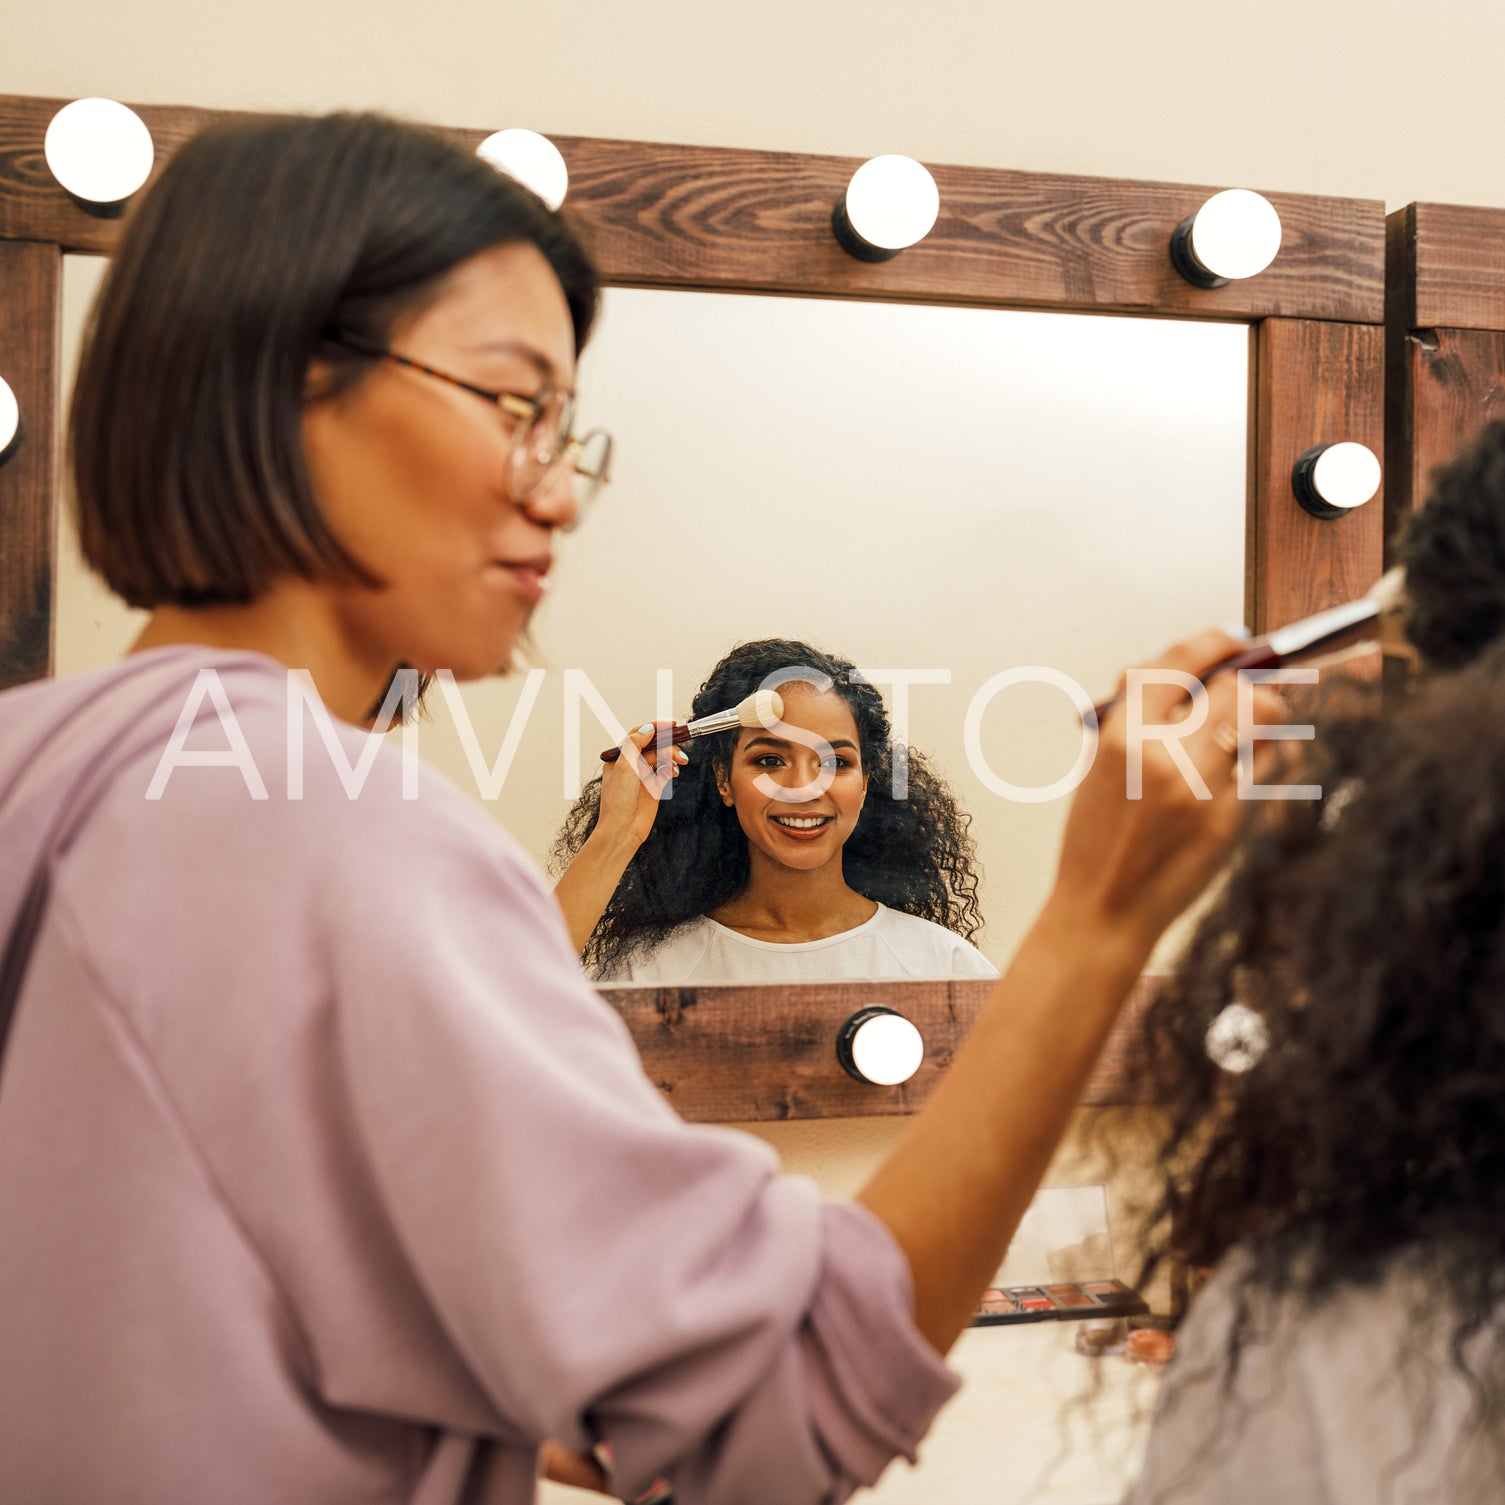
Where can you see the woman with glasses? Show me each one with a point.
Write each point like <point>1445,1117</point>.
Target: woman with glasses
<point>816,849</point>
<point>327,1176</point>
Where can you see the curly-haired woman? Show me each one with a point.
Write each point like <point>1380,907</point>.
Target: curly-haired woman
<point>785,852</point>
<point>1334,1044</point>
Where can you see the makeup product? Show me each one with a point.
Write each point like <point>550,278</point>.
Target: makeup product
<point>1375,621</point>
<point>761,708</point>
<point>1150,1346</point>
<point>1062,1302</point>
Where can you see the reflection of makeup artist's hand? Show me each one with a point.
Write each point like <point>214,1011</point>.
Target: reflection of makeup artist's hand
<point>1133,865</point>
<point>629,802</point>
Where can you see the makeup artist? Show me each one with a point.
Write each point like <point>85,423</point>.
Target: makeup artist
<point>326,1175</point>
<point>772,862</point>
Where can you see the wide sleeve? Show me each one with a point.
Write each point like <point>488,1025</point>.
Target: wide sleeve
<point>604,1271</point>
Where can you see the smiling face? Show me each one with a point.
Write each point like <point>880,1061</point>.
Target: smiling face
<point>805,829</point>
<point>411,473</point>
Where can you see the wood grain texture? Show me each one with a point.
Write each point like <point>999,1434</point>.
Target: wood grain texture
<point>1315,383</point>
<point>1456,262</point>
<point>30,293</point>
<point>756,1054</point>
<point>1443,386</point>
<point>711,218</point>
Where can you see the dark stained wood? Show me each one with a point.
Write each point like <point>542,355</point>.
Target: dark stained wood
<point>1456,257</point>
<point>756,1054</point>
<point>1445,342</point>
<point>706,217</point>
<point>1444,385</point>
<point>30,282</point>
<point>1315,383</point>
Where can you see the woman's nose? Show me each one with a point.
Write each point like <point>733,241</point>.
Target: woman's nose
<point>554,504</point>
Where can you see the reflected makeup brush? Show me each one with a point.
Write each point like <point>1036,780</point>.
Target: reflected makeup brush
<point>761,708</point>
<point>1375,621</point>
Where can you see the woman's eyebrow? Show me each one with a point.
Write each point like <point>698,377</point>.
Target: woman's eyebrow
<point>780,742</point>
<point>529,353</point>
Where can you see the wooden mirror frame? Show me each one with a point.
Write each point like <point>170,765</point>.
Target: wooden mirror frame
<point>714,219</point>
<point>1444,341</point>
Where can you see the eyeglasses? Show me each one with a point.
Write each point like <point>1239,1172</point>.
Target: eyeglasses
<point>543,441</point>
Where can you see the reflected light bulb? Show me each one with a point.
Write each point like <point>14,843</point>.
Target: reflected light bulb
<point>532,159</point>
<point>890,203</point>
<point>1235,234</point>
<point>1330,480</point>
<point>10,421</point>
<point>879,1046</point>
<point>100,151</point>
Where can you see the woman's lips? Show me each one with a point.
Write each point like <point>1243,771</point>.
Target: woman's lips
<point>804,833</point>
<point>530,576</point>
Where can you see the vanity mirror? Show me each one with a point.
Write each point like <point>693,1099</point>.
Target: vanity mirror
<point>940,510</point>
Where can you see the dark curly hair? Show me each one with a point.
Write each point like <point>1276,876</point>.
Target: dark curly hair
<point>1367,933</point>
<point>1453,549</point>
<point>913,854</point>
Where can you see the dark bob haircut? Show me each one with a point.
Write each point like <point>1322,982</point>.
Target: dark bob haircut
<point>258,238</point>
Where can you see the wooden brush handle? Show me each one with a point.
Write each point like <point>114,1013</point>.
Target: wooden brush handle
<point>679,734</point>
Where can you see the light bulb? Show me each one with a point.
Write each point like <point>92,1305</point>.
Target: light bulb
<point>532,159</point>
<point>890,203</point>
<point>1235,234</point>
<point>100,151</point>
<point>1330,480</point>
<point>10,421</point>
<point>879,1046</point>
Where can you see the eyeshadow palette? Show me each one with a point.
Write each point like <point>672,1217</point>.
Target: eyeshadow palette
<point>1055,1303</point>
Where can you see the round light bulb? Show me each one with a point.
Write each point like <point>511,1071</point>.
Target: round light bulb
<point>100,151</point>
<point>1330,480</point>
<point>890,203</point>
<point>10,420</point>
<point>1346,475</point>
<point>879,1046</point>
<point>532,159</point>
<point>1236,234</point>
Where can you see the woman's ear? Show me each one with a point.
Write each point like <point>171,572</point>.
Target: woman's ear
<point>724,789</point>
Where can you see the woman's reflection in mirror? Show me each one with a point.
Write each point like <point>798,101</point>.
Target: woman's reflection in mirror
<point>784,853</point>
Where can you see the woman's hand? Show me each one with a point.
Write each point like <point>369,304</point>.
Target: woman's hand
<point>631,788</point>
<point>1138,861</point>
<point>560,1466</point>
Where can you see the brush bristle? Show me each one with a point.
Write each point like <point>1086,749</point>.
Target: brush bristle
<point>762,708</point>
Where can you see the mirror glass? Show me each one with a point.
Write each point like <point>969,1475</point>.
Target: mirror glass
<point>915,488</point>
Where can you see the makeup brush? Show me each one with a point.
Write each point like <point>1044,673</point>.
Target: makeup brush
<point>761,708</point>
<point>1377,620</point>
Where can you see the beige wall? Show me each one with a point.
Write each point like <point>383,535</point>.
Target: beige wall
<point>1370,98</point>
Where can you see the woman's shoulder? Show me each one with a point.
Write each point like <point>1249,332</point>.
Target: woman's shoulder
<point>1350,1388</point>
<point>672,960</point>
<point>918,941</point>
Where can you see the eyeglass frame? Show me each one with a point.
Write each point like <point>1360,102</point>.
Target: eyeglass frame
<point>523,409</point>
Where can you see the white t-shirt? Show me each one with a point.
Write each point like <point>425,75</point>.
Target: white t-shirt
<point>891,944</point>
